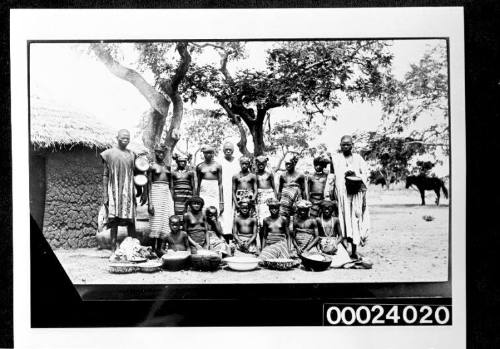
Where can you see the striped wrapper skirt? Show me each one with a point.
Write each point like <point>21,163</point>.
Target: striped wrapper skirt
<point>163,205</point>
<point>183,191</point>
<point>289,196</point>
<point>276,250</point>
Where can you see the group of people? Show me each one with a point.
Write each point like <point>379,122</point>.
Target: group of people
<point>236,205</point>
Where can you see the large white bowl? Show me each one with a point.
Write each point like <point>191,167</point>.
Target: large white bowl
<point>242,263</point>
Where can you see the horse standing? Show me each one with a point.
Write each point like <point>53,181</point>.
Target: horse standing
<point>424,183</point>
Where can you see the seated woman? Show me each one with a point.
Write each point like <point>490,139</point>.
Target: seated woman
<point>275,234</point>
<point>217,241</point>
<point>195,224</point>
<point>305,229</point>
<point>331,235</point>
<point>245,229</point>
<point>329,227</point>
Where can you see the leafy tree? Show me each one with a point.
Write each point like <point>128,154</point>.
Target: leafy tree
<point>391,155</point>
<point>310,75</point>
<point>206,127</point>
<point>168,73</point>
<point>422,91</point>
<point>292,137</point>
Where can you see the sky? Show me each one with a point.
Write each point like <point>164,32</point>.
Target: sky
<point>65,74</point>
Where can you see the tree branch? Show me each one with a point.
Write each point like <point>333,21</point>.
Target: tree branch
<point>183,66</point>
<point>155,98</point>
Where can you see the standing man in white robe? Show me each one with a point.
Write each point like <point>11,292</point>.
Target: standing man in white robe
<point>353,213</point>
<point>230,166</point>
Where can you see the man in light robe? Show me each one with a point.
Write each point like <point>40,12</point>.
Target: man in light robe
<point>353,213</point>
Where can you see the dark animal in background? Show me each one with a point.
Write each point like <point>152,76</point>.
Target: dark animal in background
<point>377,179</point>
<point>424,183</point>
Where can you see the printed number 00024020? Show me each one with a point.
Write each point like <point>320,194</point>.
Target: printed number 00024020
<point>387,314</point>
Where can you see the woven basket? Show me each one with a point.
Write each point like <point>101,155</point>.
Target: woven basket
<point>205,262</point>
<point>280,264</point>
<point>122,268</point>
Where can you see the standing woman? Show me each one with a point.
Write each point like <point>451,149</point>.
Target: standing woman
<point>183,184</point>
<point>160,203</point>
<point>353,214</point>
<point>209,175</point>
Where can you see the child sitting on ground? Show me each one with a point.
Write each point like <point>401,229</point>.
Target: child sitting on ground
<point>177,239</point>
<point>217,241</point>
<point>245,229</point>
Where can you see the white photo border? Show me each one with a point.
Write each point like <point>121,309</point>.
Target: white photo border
<point>212,24</point>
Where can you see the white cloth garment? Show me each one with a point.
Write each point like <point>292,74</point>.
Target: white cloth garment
<point>354,221</point>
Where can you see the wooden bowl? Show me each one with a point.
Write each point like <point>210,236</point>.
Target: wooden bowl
<point>175,261</point>
<point>205,260</point>
<point>316,262</point>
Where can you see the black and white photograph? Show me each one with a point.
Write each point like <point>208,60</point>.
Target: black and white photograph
<point>294,161</point>
<point>232,161</point>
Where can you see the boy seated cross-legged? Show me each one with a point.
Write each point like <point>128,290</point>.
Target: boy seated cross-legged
<point>245,229</point>
<point>177,239</point>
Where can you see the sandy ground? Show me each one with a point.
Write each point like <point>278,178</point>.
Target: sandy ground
<point>402,245</point>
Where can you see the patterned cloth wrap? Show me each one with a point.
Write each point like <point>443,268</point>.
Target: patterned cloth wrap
<point>183,191</point>
<point>315,199</point>
<point>161,198</point>
<point>217,244</point>
<point>276,250</point>
<point>252,248</point>
<point>289,196</point>
<point>209,192</point>
<point>262,209</point>
<point>303,236</point>
<point>198,235</point>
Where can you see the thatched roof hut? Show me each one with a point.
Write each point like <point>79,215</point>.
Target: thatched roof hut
<point>54,126</point>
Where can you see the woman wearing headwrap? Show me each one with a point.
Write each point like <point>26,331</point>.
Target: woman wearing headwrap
<point>183,184</point>
<point>209,175</point>
<point>305,235</point>
<point>292,186</point>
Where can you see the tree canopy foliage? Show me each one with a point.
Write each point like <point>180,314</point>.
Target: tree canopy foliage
<point>423,91</point>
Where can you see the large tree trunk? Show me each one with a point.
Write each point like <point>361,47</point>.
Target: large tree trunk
<point>152,128</point>
<point>173,134</point>
<point>154,120</point>
<point>257,132</point>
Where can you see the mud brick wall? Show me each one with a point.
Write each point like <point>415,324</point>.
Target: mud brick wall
<point>73,197</point>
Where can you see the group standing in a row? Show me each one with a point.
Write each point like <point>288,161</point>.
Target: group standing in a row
<point>223,206</point>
